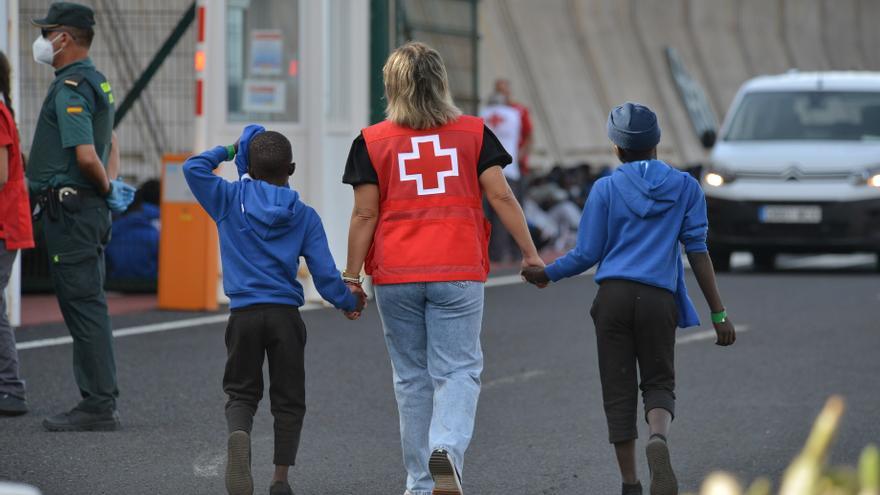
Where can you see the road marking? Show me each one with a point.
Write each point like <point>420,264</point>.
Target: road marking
<point>705,335</point>
<point>212,319</point>
<point>516,278</point>
<point>144,329</point>
<point>828,261</point>
<point>207,466</point>
<point>795,262</point>
<point>518,378</point>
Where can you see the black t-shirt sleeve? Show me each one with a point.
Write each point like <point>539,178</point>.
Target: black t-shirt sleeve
<point>359,169</point>
<point>493,153</point>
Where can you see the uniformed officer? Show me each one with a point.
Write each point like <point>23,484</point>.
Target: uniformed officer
<point>68,171</point>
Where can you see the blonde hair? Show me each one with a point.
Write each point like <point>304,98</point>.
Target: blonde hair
<point>417,88</point>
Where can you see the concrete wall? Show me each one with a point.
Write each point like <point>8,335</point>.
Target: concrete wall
<point>571,60</point>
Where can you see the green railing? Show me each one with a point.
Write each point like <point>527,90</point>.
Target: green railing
<point>450,26</point>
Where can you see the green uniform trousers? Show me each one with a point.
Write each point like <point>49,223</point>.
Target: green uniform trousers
<point>76,242</point>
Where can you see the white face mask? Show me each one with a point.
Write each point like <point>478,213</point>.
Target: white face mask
<point>44,52</point>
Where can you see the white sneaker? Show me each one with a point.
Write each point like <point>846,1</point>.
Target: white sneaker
<point>447,481</point>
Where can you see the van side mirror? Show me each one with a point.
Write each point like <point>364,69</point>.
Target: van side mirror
<point>708,138</point>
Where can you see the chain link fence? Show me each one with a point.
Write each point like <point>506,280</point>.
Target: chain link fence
<point>127,35</point>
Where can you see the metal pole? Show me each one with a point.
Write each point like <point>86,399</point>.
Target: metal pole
<point>144,80</point>
<point>475,46</point>
<point>380,47</point>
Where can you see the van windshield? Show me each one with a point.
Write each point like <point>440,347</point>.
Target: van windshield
<point>806,115</point>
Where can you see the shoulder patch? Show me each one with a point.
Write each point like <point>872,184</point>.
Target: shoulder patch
<point>74,109</point>
<point>74,80</point>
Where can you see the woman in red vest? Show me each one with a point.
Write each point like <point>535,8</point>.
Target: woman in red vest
<point>15,234</point>
<point>419,230</point>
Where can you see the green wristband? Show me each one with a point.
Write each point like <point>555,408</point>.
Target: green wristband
<point>230,151</point>
<point>719,317</point>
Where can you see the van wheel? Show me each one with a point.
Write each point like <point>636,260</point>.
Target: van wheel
<point>764,261</point>
<point>720,259</point>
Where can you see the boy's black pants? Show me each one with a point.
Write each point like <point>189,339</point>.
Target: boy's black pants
<point>277,331</point>
<point>635,324</point>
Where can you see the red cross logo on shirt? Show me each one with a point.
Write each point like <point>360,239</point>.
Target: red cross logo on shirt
<point>495,120</point>
<point>428,165</point>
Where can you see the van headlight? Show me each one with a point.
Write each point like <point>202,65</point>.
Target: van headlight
<point>715,177</point>
<point>870,178</point>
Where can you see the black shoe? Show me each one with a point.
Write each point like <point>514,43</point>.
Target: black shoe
<point>76,420</point>
<point>280,488</point>
<point>11,405</point>
<point>238,464</point>
<point>634,489</point>
<point>447,481</point>
<point>663,480</point>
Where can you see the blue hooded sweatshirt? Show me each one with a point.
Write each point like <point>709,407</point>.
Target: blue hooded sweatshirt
<point>264,229</point>
<point>632,226</point>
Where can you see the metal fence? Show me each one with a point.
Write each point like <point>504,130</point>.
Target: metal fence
<point>127,35</point>
<point>450,26</point>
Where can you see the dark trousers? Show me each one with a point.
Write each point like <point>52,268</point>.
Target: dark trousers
<point>635,325</point>
<point>10,379</point>
<point>276,331</point>
<point>75,241</point>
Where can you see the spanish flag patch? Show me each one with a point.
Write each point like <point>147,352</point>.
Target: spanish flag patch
<point>74,109</point>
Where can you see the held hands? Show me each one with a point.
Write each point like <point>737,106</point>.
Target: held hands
<point>120,196</point>
<point>726,334</point>
<point>533,271</point>
<point>361,297</point>
<point>241,147</point>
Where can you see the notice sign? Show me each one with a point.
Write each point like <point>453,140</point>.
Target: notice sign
<point>264,96</point>
<point>267,50</point>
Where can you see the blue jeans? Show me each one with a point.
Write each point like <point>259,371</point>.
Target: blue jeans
<point>432,331</point>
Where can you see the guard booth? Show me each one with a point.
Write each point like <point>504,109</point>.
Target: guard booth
<point>294,66</point>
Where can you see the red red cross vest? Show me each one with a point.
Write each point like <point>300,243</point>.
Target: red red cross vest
<point>431,225</point>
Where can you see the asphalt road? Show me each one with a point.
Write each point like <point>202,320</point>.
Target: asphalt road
<point>806,333</point>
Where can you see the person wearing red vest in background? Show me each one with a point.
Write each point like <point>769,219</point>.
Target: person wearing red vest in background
<point>419,230</point>
<point>502,87</point>
<point>15,234</point>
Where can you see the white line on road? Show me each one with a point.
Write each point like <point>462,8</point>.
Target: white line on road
<point>705,335</point>
<point>508,380</point>
<point>144,329</point>
<point>208,320</point>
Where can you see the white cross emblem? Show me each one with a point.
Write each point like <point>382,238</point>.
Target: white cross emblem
<point>429,165</point>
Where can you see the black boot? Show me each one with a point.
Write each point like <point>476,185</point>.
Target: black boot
<point>238,464</point>
<point>663,481</point>
<point>11,405</point>
<point>77,420</point>
<point>280,488</point>
<point>633,489</point>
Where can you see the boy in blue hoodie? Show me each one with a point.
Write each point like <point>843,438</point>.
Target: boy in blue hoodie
<point>264,228</point>
<point>633,225</point>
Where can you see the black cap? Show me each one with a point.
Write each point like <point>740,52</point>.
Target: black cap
<point>67,14</point>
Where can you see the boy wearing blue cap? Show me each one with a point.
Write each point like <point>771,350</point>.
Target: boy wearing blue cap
<point>633,225</point>
<point>264,228</point>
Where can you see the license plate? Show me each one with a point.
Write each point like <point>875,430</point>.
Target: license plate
<point>790,214</point>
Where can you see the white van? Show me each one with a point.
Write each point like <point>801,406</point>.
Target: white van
<point>796,168</point>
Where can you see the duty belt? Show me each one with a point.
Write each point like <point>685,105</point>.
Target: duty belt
<point>53,199</point>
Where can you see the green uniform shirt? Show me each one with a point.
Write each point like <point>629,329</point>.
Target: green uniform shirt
<point>78,110</point>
